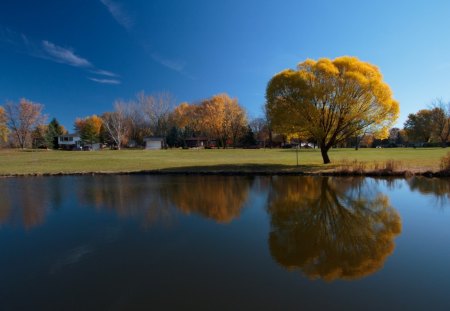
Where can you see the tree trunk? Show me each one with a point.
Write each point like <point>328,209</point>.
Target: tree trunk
<point>270,139</point>
<point>325,157</point>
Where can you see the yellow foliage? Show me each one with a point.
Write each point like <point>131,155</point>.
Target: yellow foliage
<point>331,100</point>
<point>218,117</point>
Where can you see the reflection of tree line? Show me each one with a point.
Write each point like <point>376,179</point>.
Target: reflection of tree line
<point>438,187</point>
<point>126,196</point>
<point>214,197</point>
<point>25,202</point>
<point>330,228</point>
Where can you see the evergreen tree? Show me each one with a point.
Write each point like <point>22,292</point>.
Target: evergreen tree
<point>53,131</point>
<point>249,138</point>
<point>174,137</point>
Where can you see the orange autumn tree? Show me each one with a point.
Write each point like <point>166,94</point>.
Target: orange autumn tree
<point>219,117</point>
<point>331,100</point>
<point>89,128</point>
<point>187,118</point>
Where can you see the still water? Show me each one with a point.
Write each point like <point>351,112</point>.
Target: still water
<point>221,242</point>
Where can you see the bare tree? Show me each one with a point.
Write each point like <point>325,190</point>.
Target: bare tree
<point>156,110</point>
<point>260,127</point>
<point>22,119</point>
<point>115,123</point>
<point>136,123</point>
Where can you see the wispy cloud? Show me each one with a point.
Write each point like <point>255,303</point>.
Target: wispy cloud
<point>105,81</point>
<point>118,13</point>
<point>126,21</point>
<point>62,55</point>
<point>176,65</point>
<point>47,50</point>
<point>104,73</point>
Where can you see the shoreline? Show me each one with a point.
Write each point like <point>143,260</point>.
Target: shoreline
<point>381,173</point>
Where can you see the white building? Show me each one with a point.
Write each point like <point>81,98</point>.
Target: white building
<point>69,141</point>
<point>154,143</point>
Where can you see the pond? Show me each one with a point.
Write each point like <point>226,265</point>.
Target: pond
<point>224,242</point>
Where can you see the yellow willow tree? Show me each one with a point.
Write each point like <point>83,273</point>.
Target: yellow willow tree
<point>331,100</point>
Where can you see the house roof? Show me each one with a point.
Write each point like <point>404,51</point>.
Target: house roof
<point>70,135</point>
<point>153,138</point>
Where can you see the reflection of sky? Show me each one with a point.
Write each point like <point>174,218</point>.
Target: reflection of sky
<point>424,243</point>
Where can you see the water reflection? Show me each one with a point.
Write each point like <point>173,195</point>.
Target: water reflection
<point>26,204</point>
<point>330,228</point>
<point>214,197</point>
<point>439,188</point>
<point>127,196</point>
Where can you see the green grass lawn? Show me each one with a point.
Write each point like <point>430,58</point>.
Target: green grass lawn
<point>41,161</point>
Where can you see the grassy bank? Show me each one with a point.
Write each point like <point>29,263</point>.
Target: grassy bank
<point>17,162</point>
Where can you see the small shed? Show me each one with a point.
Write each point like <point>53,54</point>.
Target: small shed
<point>154,143</point>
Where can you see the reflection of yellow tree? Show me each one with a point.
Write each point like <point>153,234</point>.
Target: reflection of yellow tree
<point>330,228</point>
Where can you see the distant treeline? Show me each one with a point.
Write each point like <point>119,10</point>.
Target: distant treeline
<point>220,121</point>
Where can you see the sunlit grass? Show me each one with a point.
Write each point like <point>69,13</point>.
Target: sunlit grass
<point>40,162</point>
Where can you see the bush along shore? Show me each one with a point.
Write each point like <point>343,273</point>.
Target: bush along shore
<point>354,169</point>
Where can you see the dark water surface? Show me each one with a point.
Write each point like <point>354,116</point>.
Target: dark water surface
<point>217,242</point>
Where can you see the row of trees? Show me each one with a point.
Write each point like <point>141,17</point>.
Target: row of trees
<point>429,125</point>
<point>220,119</point>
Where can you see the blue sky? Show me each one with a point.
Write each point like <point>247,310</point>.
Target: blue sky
<point>77,56</point>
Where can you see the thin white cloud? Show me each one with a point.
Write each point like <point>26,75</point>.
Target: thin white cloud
<point>105,81</point>
<point>118,13</point>
<point>175,65</point>
<point>62,55</point>
<point>102,72</point>
<point>125,20</point>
